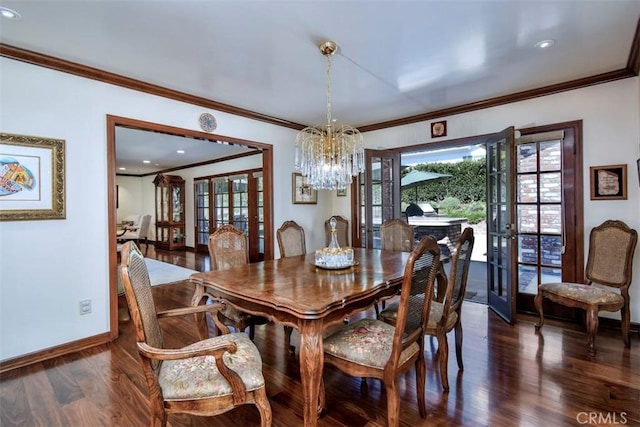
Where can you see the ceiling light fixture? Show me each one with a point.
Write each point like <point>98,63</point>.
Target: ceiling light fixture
<point>146,161</point>
<point>329,155</point>
<point>544,44</point>
<point>8,13</point>
<point>180,151</point>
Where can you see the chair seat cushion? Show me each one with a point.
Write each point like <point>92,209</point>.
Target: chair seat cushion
<point>586,294</point>
<point>367,342</point>
<point>390,314</point>
<point>199,378</point>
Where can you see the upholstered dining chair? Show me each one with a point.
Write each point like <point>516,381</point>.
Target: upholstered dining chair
<point>228,249</point>
<point>291,239</point>
<point>395,235</point>
<point>371,348</point>
<point>608,275</point>
<point>342,230</point>
<point>446,310</point>
<point>291,243</point>
<point>206,378</point>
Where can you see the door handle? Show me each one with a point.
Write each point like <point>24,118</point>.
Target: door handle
<point>511,229</point>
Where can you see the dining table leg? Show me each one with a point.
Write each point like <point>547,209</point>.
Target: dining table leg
<point>311,365</point>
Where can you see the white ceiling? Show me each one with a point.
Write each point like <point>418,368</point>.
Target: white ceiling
<point>134,148</point>
<point>396,58</point>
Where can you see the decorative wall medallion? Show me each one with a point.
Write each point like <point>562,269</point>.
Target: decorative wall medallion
<point>208,122</point>
<point>439,129</point>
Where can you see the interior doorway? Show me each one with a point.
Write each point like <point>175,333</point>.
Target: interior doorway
<point>113,122</point>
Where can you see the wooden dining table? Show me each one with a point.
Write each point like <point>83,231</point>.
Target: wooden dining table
<point>294,292</point>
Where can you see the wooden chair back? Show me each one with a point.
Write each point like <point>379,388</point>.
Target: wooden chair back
<point>611,248</point>
<point>396,235</point>
<point>291,239</point>
<point>458,273</point>
<point>228,248</point>
<point>137,289</point>
<point>342,231</point>
<point>416,295</point>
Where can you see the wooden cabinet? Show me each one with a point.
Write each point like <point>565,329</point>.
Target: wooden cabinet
<point>170,220</point>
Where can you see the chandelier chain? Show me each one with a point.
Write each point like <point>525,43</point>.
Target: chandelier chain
<point>328,89</point>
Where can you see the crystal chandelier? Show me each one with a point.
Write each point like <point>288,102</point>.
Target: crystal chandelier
<point>329,155</point>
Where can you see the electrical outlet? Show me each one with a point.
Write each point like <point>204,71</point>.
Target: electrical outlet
<point>85,306</point>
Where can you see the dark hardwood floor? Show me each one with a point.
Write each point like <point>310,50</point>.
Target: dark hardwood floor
<point>512,377</point>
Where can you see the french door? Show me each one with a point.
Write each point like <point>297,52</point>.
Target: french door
<point>548,203</point>
<point>232,199</point>
<point>379,196</point>
<point>534,212</point>
<point>501,280</point>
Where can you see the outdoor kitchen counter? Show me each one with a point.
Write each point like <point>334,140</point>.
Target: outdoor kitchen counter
<point>437,226</point>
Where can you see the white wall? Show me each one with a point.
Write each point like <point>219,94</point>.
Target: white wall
<point>47,267</point>
<point>130,197</point>
<point>611,135</point>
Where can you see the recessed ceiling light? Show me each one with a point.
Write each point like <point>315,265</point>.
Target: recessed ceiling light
<point>146,161</point>
<point>180,151</point>
<point>543,44</point>
<point>122,169</point>
<point>8,13</point>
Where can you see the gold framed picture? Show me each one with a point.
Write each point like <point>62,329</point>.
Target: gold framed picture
<point>608,182</point>
<point>301,191</point>
<point>32,178</point>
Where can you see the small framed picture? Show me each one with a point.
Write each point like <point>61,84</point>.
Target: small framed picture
<point>301,191</point>
<point>439,129</point>
<point>608,182</point>
<point>341,193</point>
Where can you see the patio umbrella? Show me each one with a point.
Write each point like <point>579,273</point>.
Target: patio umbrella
<point>416,178</point>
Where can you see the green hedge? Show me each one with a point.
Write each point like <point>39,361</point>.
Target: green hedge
<point>461,195</point>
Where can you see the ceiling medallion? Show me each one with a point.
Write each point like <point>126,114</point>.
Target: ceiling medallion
<point>207,122</point>
<point>329,155</point>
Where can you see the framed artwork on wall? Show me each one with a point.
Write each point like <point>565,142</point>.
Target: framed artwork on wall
<point>341,193</point>
<point>439,129</point>
<point>301,191</point>
<point>32,178</point>
<point>608,182</point>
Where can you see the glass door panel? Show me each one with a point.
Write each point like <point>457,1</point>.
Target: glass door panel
<point>240,209</point>
<point>201,192</point>
<point>379,195</point>
<point>539,208</point>
<point>221,202</point>
<point>256,217</point>
<point>500,230</point>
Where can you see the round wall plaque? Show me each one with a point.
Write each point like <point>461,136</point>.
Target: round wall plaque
<point>208,122</point>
